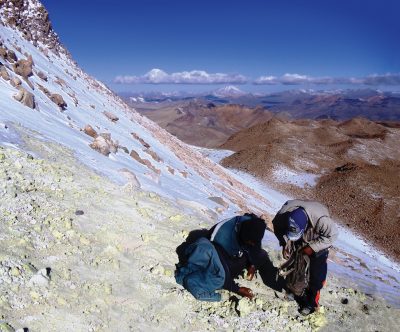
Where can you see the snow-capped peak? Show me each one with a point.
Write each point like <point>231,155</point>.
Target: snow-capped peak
<point>229,91</point>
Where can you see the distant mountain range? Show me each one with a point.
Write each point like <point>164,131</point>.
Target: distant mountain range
<point>338,104</point>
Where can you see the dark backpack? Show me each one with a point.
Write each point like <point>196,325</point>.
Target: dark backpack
<point>296,270</point>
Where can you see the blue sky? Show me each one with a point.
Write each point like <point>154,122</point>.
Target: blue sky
<point>278,44</point>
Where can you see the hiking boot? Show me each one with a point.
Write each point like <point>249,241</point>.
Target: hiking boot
<point>307,310</point>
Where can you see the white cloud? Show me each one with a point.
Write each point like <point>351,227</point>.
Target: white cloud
<point>158,76</point>
<point>386,79</point>
<point>292,79</point>
<point>297,79</point>
<point>267,80</point>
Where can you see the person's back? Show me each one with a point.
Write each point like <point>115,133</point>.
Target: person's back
<point>231,244</point>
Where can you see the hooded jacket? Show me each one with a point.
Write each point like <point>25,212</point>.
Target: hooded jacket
<point>321,231</point>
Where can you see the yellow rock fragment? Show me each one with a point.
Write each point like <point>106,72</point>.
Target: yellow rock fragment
<point>61,301</point>
<point>176,218</point>
<point>84,241</point>
<point>15,272</point>
<point>168,272</point>
<point>58,235</point>
<point>34,295</point>
<point>317,320</point>
<point>68,224</point>
<point>108,289</point>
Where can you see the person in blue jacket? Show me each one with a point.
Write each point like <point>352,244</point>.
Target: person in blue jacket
<point>215,260</point>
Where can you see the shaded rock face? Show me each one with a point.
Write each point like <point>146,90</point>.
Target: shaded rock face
<point>24,67</point>
<point>32,19</point>
<point>25,97</point>
<point>58,100</point>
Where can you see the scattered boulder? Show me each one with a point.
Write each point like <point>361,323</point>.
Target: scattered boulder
<point>113,144</point>
<point>15,82</point>
<point>24,67</point>
<point>4,73</point>
<point>100,145</point>
<point>141,140</point>
<point>44,90</point>
<point>111,116</point>
<point>79,212</point>
<point>104,144</point>
<point>124,148</point>
<point>59,101</point>
<point>42,76</point>
<point>11,56</point>
<point>88,130</point>
<point>3,53</point>
<point>25,97</point>
<point>145,162</point>
<point>154,155</point>
<point>60,82</point>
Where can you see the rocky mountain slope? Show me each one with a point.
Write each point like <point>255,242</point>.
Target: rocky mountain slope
<point>358,159</point>
<point>95,200</point>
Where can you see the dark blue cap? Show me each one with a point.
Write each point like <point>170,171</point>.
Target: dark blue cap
<point>297,223</point>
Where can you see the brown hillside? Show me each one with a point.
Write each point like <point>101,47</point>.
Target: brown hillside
<point>205,125</point>
<point>359,161</point>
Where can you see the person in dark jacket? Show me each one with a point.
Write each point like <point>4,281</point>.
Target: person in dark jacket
<point>214,261</point>
<point>307,226</point>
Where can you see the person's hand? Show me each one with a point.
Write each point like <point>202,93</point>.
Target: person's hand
<point>246,292</point>
<point>251,270</point>
<point>308,251</point>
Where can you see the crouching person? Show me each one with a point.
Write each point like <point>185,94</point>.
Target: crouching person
<point>306,232</point>
<point>214,261</point>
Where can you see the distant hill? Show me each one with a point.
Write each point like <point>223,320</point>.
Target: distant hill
<point>338,105</point>
<point>352,166</point>
<point>203,123</point>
